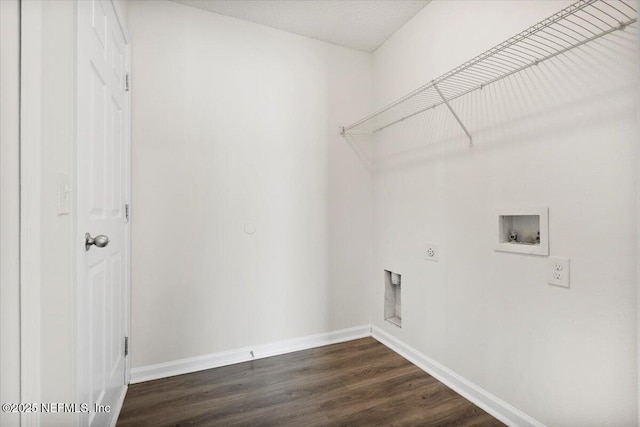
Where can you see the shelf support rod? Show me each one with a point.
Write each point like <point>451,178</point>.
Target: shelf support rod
<point>435,86</point>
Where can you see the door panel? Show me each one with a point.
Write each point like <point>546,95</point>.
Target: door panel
<point>115,202</point>
<point>97,121</point>
<point>102,192</point>
<point>99,21</point>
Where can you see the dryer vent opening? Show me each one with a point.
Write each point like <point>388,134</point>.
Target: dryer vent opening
<point>393,298</point>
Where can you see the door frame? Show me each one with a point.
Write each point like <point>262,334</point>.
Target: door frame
<point>30,205</point>
<point>127,129</point>
<point>30,164</point>
<point>78,249</point>
<point>10,206</point>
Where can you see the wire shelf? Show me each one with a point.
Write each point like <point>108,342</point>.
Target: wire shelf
<point>573,26</point>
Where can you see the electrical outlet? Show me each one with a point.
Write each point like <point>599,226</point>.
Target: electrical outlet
<point>431,252</point>
<point>558,271</point>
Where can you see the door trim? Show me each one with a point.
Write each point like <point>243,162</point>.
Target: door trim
<point>10,207</point>
<point>30,205</point>
<point>127,129</point>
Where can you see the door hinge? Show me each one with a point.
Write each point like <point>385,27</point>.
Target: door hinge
<point>126,346</point>
<point>127,82</point>
<point>126,212</point>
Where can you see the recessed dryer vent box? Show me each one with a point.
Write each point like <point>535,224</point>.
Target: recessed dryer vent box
<point>524,231</point>
<point>392,298</point>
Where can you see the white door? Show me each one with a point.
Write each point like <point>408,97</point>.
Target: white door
<point>103,163</point>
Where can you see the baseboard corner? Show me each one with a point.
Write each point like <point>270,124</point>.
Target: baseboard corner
<point>470,391</point>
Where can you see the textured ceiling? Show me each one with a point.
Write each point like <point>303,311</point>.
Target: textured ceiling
<point>359,24</point>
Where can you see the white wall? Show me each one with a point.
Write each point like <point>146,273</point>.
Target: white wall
<point>234,124</point>
<point>562,135</point>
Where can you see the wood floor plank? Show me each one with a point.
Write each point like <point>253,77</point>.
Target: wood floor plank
<point>356,383</point>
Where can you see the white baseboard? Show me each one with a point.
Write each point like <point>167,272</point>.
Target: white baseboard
<point>478,396</point>
<point>115,412</point>
<point>216,360</point>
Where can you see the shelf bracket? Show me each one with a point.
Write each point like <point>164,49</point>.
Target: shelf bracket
<point>446,102</point>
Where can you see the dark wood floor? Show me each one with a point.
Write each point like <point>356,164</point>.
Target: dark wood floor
<point>357,383</point>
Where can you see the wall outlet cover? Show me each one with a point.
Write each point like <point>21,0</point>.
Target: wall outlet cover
<point>558,271</point>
